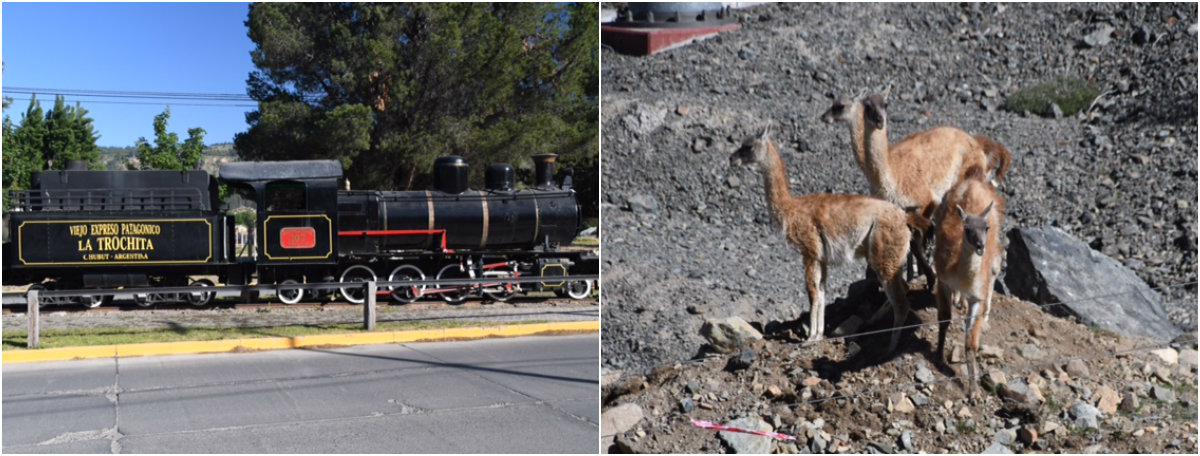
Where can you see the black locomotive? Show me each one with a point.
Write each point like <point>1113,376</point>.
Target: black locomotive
<point>79,229</point>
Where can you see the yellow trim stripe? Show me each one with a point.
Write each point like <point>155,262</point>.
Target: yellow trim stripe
<point>276,343</point>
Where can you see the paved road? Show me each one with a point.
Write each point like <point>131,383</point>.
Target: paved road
<point>521,395</point>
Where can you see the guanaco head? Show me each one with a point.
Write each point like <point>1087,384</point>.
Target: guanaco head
<point>875,109</point>
<point>975,228</point>
<point>753,149</point>
<point>844,109</point>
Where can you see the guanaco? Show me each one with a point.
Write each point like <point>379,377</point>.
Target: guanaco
<point>967,256</point>
<point>829,229</point>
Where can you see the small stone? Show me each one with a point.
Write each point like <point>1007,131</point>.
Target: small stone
<point>619,419</point>
<point>1106,399</point>
<point>1129,403</point>
<point>924,375</point>
<point>687,405</point>
<point>1005,437</point>
<point>1031,352</point>
<point>1050,427</point>
<point>991,351</point>
<point>743,360</point>
<point>681,110</point>
<point>774,391</point>
<point>1018,391</point>
<point>1168,355</point>
<point>811,381</point>
<point>1057,111</point>
<point>1085,415</point>
<point>993,379</point>
<point>1027,436</point>
<point>733,182</point>
<point>997,448</point>
<point>1163,374</point>
<point>964,412</point>
<point>1077,369</point>
<point>1094,449</point>
<point>1163,394</point>
<point>903,405</point>
<point>748,443</point>
<point>906,441</point>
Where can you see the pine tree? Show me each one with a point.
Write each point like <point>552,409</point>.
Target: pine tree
<point>46,140</point>
<point>387,88</point>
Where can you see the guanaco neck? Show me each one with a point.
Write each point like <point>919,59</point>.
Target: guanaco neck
<point>776,182</point>
<point>858,139</point>
<point>876,158</point>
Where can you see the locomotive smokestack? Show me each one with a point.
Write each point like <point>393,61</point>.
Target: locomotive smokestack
<point>544,166</point>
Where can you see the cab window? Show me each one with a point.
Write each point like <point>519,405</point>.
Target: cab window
<point>286,196</point>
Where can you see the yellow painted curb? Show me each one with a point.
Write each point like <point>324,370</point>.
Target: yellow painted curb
<point>276,343</point>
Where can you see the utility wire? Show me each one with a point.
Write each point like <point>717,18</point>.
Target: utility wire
<point>149,103</point>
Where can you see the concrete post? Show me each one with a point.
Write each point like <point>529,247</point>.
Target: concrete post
<point>369,307</point>
<point>31,300</point>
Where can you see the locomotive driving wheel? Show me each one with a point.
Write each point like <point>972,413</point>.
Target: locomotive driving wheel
<point>459,292</point>
<point>502,291</point>
<point>354,276</point>
<point>406,293</point>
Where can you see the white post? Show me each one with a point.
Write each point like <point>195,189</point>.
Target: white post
<point>31,299</point>
<point>369,307</point>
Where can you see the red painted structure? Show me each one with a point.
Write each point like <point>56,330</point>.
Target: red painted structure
<point>646,41</point>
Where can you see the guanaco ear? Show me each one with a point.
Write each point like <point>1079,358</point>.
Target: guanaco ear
<point>861,93</point>
<point>989,209</point>
<point>887,91</point>
<point>961,213</point>
<point>766,133</point>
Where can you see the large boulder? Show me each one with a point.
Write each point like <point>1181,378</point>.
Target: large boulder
<point>1047,266</point>
<point>729,335</point>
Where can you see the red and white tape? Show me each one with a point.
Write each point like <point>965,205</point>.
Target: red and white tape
<point>721,427</point>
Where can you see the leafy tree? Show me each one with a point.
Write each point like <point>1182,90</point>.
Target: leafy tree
<point>387,88</point>
<point>167,152</point>
<point>56,137</point>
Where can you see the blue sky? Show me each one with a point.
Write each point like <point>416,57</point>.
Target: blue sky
<point>132,47</point>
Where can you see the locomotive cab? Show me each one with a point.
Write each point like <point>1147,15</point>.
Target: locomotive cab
<point>296,208</point>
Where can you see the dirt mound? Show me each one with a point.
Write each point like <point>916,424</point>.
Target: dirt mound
<point>845,395</point>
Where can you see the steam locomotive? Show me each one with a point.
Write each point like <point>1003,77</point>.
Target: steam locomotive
<point>79,229</point>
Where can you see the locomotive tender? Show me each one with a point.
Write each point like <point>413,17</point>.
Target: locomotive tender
<point>79,229</point>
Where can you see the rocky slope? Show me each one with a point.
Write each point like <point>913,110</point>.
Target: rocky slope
<point>687,238</point>
<point>1051,386</point>
<point>684,232</point>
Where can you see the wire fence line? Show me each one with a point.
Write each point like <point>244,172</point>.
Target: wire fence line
<point>1005,315</point>
<point>994,312</point>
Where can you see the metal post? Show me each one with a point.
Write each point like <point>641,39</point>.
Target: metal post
<point>31,299</point>
<point>369,307</point>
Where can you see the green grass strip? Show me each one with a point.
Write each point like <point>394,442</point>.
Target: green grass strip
<point>59,338</point>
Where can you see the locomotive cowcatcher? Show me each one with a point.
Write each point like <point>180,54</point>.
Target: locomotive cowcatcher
<point>79,229</point>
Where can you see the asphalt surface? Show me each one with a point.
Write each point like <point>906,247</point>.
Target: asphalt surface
<point>520,395</point>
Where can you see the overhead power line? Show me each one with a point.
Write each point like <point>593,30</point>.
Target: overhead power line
<point>138,95</point>
<point>150,103</point>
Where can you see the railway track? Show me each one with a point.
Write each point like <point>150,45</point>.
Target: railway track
<point>15,304</point>
<point>265,314</point>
